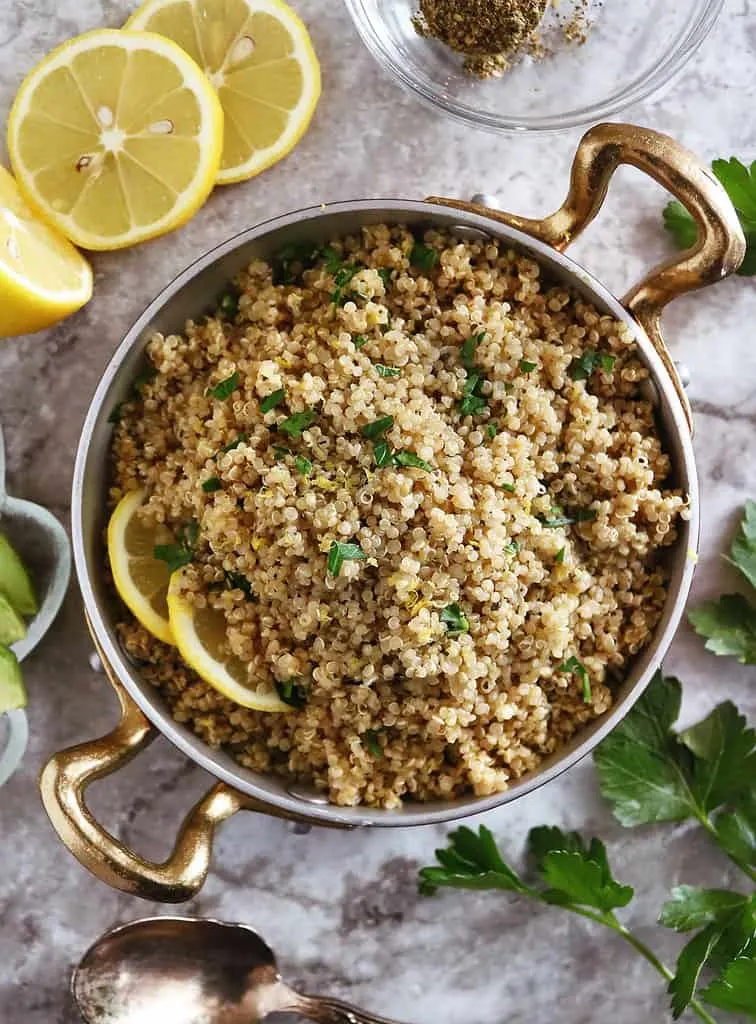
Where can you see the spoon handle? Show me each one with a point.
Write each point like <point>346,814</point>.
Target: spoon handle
<point>333,1011</point>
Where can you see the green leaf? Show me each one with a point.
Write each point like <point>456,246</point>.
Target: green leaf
<point>575,667</point>
<point>725,756</point>
<point>455,620</point>
<point>740,183</point>
<point>492,430</point>
<point>299,422</point>
<point>512,548</point>
<point>236,581</point>
<point>423,257</point>
<point>240,439</point>
<point>228,307</point>
<point>212,484</point>
<point>281,451</point>
<point>225,388</point>
<point>509,488</point>
<point>377,428</point>
<point>412,461</point>
<point>371,739</point>
<point>555,519</point>
<point>559,556</point>
<point>382,453</point>
<point>387,371</point>
<point>680,225</point>
<point>743,548</point>
<point>341,552</point>
<point>272,400</point>
<point>735,990</point>
<point>385,275</point>
<point>548,839</point>
<point>527,367</point>
<point>467,352</point>
<point>729,626</point>
<point>302,465</point>
<point>579,875</point>
<point>692,908</point>
<point>292,692</point>
<point>182,552</point>
<point>472,405</point>
<point>584,366</point>
<point>736,830</point>
<point>643,770</point>
<point>359,341</point>
<point>472,861</point>
<point>690,963</point>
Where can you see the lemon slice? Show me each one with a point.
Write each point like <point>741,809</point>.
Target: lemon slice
<point>140,579</point>
<point>42,277</point>
<point>259,56</point>
<point>200,635</point>
<point>116,137</point>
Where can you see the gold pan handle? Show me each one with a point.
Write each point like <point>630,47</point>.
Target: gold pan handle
<point>719,248</point>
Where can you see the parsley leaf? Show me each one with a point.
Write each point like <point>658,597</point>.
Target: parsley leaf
<point>387,371</point>
<point>225,388</point>
<point>575,667</point>
<point>292,692</point>
<point>212,484</point>
<point>236,581</point>
<point>512,548</point>
<point>559,556</point>
<point>576,873</point>
<point>372,741</point>
<point>650,773</point>
<point>736,830</point>
<point>492,430</point>
<point>385,275</point>
<point>359,341</point>
<point>240,439</point>
<point>228,307</point>
<point>341,552</point>
<point>471,862</point>
<point>736,989</point>
<point>584,366</point>
<point>341,278</point>
<point>743,547</point>
<point>423,257</point>
<point>181,552</point>
<point>412,461</point>
<point>382,453</point>
<point>455,620</point>
<point>302,465</point>
<point>299,422</point>
<point>740,184</point>
<point>272,400</point>
<point>527,367</point>
<point>690,964</point>
<point>729,625</point>
<point>467,352</point>
<point>692,908</point>
<point>558,519</point>
<point>377,428</point>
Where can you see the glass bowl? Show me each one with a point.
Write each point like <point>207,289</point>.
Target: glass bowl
<point>633,48</point>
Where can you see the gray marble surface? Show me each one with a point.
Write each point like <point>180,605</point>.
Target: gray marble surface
<point>343,909</point>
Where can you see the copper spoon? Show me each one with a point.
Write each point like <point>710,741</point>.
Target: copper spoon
<point>192,971</point>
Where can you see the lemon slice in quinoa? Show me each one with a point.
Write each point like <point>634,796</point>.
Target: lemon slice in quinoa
<point>259,57</point>
<point>140,579</point>
<point>200,635</point>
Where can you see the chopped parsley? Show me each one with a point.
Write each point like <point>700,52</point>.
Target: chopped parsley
<point>182,552</point>
<point>492,430</point>
<point>526,366</point>
<point>412,461</point>
<point>212,484</point>
<point>387,371</point>
<point>341,278</point>
<point>467,352</point>
<point>371,740</point>
<point>281,451</point>
<point>559,557</point>
<point>509,488</point>
<point>292,260</point>
<point>303,465</point>
<point>473,402</point>
<point>299,422</point>
<point>272,400</point>
<point>455,620</point>
<point>292,692</point>
<point>423,257</point>
<point>557,518</point>
<point>240,439</point>
<point>377,428</point>
<point>225,388</point>
<point>228,307</point>
<point>236,581</point>
<point>512,548</point>
<point>582,367</point>
<point>383,453</point>
<point>359,341</point>
<point>577,668</point>
<point>341,552</point>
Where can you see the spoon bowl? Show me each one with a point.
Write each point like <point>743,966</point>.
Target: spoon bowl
<point>192,971</point>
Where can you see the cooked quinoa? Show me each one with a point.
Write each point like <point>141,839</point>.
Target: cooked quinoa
<point>510,511</point>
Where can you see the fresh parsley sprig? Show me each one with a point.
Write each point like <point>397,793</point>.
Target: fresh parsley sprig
<point>729,623</point>
<point>740,184</point>
<point>180,553</point>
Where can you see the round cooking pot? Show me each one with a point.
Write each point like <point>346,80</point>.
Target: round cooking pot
<point>718,252</point>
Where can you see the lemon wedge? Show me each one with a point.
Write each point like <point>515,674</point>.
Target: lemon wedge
<point>200,635</point>
<point>43,278</point>
<point>116,138</point>
<point>259,56</point>
<point>140,579</point>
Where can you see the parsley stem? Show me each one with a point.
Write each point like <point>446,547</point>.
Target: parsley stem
<point>610,921</point>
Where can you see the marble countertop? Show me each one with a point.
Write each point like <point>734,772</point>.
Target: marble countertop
<point>343,910</point>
